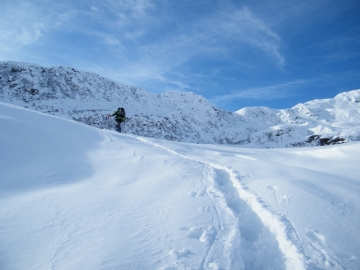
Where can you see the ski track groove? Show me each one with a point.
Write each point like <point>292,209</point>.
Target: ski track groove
<point>219,225</point>
<point>289,243</point>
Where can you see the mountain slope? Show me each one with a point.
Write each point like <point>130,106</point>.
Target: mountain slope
<point>88,97</point>
<point>77,197</point>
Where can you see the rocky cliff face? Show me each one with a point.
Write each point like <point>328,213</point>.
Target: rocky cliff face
<point>89,98</point>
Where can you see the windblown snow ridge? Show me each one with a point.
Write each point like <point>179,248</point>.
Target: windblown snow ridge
<point>183,117</point>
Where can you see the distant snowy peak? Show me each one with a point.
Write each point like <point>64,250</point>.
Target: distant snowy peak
<point>265,116</point>
<point>342,110</point>
<point>349,97</point>
<point>88,97</point>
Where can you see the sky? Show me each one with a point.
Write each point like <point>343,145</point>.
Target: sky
<point>234,53</point>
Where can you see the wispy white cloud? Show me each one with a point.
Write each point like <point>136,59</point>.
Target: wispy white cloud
<point>25,23</point>
<point>278,91</point>
<point>243,28</point>
<point>222,34</point>
<point>135,31</point>
<point>17,27</point>
<point>340,48</point>
<point>127,15</point>
<point>133,8</point>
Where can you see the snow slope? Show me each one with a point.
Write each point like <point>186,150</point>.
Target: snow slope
<point>183,117</point>
<point>76,197</point>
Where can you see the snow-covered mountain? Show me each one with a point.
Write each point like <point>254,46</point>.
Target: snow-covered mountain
<point>183,117</point>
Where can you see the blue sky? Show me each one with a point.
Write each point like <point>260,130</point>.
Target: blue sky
<point>234,53</point>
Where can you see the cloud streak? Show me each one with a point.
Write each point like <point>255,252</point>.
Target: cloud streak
<point>18,27</point>
<point>135,37</point>
<point>242,27</point>
<point>278,91</point>
<point>25,24</point>
<point>213,37</point>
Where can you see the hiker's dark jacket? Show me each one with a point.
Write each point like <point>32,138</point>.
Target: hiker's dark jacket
<point>119,116</point>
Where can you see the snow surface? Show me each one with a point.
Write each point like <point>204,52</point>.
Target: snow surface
<point>76,197</point>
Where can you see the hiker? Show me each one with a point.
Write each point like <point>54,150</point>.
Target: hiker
<point>119,118</point>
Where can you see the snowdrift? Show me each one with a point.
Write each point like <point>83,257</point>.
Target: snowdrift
<point>76,197</point>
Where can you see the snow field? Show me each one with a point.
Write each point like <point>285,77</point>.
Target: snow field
<point>307,190</point>
<point>227,180</point>
<point>75,197</point>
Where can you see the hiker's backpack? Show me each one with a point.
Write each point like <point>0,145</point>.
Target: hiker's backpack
<point>122,113</point>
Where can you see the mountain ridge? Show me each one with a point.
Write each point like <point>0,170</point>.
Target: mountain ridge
<point>184,117</point>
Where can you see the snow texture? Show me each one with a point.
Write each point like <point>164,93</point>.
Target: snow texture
<point>182,117</point>
<point>77,197</point>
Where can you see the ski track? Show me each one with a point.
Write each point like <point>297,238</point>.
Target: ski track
<point>219,225</point>
<point>231,200</point>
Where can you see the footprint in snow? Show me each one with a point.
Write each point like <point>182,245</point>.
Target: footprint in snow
<point>181,253</point>
<point>205,208</point>
<point>193,194</point>
<point>285,200</point>
<point>195,233</point>
<point>197,194</point>
<point>201,234</point>
<point>325,256</point>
